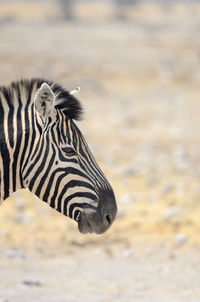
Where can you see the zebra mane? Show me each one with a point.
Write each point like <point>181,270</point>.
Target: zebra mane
<point>64,100</point>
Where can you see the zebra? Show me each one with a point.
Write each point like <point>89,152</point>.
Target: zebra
<point>42,149</point>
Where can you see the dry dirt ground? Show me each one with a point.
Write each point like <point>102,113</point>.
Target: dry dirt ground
<point>140,87</point>
<point>143,273</point>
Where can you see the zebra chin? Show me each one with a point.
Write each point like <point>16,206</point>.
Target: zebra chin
<point>99,220</point>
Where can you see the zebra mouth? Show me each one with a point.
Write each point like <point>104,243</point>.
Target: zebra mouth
<point>83,224</point>
<point>91,221</point>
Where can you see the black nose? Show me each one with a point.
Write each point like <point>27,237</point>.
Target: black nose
<point>99,220</point>
<point>108,206</point>
<point>108,218</point>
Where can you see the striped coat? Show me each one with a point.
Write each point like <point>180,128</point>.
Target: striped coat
<point>42,149</point>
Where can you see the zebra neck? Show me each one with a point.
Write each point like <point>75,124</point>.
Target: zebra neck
<point>16,127</point>
<point>11,159</point>
<point>8,183</point>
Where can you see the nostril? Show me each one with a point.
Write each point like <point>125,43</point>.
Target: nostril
<point>108,218</point>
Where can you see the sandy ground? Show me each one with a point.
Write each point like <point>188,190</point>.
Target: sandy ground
<point>141,274</point>
<point>140,80</point>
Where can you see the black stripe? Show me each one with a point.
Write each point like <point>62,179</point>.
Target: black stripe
<point>46,174</point>
<point>93,163</point>
<point>68,133</point>
<point>59,179</point>
<point>33,134</point>
<point>10,127</point>
<point>70,184</point>
<point>74,137</point>
<point>54,129</point>
<point>61,137</point>
<point>27,133</point>
<point>87,168</point>
<point>77,194</point>
<point>67,171</point>
<point>37,157</point>
<point>5,157</point>
<point>79,205</point>
<point>18,143</point>
<point>41,166</point>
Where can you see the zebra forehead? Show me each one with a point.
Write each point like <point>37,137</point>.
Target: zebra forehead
<point>64,101</point>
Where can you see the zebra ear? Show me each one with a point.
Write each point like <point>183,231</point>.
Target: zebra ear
<point>44,99</point>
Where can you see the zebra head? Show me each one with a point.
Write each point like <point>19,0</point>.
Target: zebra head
<point>61,169</point>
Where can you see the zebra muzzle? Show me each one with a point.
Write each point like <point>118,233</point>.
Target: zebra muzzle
<point>100,219</point>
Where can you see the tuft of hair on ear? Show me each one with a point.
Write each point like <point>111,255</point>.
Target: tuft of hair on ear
<point>67,103</point>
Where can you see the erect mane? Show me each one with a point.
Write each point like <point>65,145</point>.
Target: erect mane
<point>64,100</point>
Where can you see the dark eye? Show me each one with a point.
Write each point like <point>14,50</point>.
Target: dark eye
<point>69,151</point>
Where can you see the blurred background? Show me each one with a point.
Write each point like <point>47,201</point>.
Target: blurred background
<point>138,65</point>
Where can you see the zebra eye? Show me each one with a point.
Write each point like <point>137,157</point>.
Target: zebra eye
<point>69,151</point>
